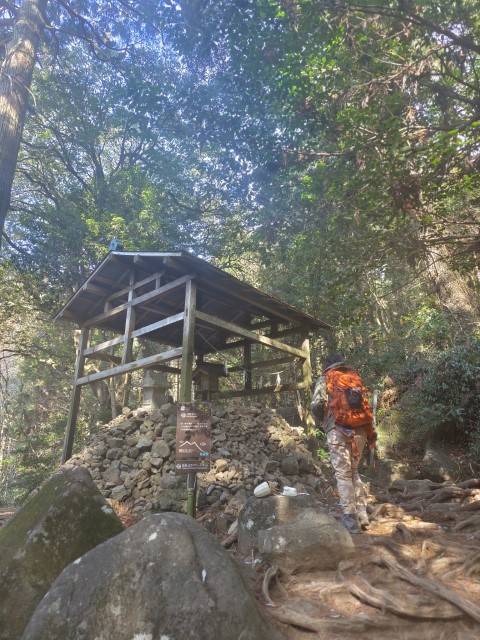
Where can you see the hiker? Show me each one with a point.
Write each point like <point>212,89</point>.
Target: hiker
<point>340,404</point>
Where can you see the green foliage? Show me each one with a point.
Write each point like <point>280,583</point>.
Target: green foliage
<point>438,400</point>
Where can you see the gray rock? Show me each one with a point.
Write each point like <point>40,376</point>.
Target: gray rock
<point>114,454</point>
<point>314,542</point>
<point>289,465</point>
<point>160,449</point>
<point>144,443</point>
<point>119,493</point>
<point>66,518</point>
<point>112,475</point>
<point>168,409</point>
<point>166,577</point>
<point>263,513</point>
<point>438,466</point>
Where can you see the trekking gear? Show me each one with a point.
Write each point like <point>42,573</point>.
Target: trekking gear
<point>346,398</point>
<point>351,523</point>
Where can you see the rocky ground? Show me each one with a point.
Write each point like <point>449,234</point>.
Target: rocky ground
<point>416,573</point>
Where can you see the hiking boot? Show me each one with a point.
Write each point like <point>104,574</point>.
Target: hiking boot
<point>363,521</point>
<point>351,523</point>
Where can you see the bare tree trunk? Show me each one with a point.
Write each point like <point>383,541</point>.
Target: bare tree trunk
<point>15,79</point>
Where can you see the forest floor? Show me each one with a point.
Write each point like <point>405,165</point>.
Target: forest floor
<point>415,575</point>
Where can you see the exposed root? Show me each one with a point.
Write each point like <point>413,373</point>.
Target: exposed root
<point>387,510</point>
<point>271,574</point>
<point>431,586</point>
<point>472,522</point>
<point>469,568</point>
<point>354,624</point>
<point>386,602</point>
<point>405,532</point>
<point>229,540</point>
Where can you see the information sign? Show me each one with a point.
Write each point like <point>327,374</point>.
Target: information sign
<point>194,437</point>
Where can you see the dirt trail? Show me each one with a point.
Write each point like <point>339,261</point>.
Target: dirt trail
<point>416,574</point>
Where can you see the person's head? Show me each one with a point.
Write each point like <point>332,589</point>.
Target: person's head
<point>332,359</point>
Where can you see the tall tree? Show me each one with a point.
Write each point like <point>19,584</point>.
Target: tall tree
<point>24,27</point>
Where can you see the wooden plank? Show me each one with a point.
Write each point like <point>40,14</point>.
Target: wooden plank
<point>278,388</point>
<point>263,364</point>
<point>178,317</point>
<point>185,394</point>
<point>75,396</point>
<point>255,337</point>
<point>247,364</point>
<point>144,363</point>
<point>102,345</point>
<point>308,382</point>
<point>159,367</point>
<point>105,357</point>
<point>136,285</point>
<point>156,293</point>
<point>129,324</point>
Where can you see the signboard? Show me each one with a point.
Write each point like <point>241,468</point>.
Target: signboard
<point>194,436</point>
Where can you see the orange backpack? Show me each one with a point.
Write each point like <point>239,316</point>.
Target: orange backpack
<point>346,398</point>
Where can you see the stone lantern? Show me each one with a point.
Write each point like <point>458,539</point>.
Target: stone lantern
<point>155,390</point>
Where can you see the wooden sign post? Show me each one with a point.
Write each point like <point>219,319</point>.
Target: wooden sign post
<point>194,444</point>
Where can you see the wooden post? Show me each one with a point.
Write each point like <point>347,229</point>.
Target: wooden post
<point>308,382</point>
<point>75,397</point>
<point>185,394</point>
<point>129,325</point>
<point>247,363</point>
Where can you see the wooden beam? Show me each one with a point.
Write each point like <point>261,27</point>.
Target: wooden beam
<point>247,363</point>
<point>105,357</point>
<point>250,335</point>
<point>144,363</point>
<point>178,317</point>
<point>159,367</point>
<point>156,293</point>
<point>308,381</point>
<point>129,324</point>
<point>263,364</point>
<point>188,342</point>
<point>278,388</point>
<point>135,285</point>
<point>75,397</point>
<point>102,345</point>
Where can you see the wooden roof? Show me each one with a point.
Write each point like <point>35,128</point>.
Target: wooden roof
<point>219,294</point>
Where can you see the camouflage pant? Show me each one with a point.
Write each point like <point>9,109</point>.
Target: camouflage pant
<point>349,485</point>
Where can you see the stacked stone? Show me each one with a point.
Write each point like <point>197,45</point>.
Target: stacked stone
<point>133,458</point>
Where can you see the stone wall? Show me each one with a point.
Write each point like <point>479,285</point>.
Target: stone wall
<point>132,459</point>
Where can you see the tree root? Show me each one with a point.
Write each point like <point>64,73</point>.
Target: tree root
<point>272,574</point>
<point>229,540</point>
<point>473,521</point>
<point>355,624</point>
<point>470,567</point>
<point>405,532</point>
<point>431,586</point>
<point>386,602</point>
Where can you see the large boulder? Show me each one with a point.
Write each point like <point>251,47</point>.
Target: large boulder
<point>262,513</point>
<point>164,577</point>
<point>314,542</point>
<point>66,518</point>
<point>437,465</point>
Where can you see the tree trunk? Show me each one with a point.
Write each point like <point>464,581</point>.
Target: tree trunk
<point>453,289</point>
<point>15,79</point>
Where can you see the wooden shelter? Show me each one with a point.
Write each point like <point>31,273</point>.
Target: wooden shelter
<point>190,308</point>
